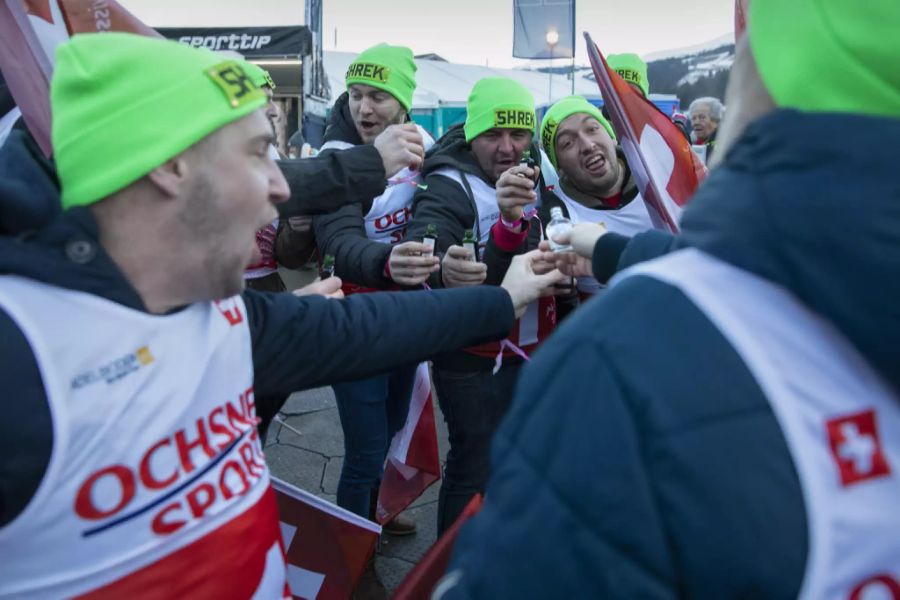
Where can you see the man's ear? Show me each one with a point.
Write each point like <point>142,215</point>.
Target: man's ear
<point>171,176</point>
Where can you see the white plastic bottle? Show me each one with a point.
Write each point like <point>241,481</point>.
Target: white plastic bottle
<point>558,225</point>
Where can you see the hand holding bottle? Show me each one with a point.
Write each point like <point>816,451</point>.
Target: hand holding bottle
<point>581,238</point>
<point>458,271</point>
<point>411,263</point>
<point>525,285</point>
<point>515,191</point>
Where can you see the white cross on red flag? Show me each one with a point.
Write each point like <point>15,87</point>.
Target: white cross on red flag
<point>856,448</point>
<point>327,547</point>
<point>666,170</point>
<point>413,463</point>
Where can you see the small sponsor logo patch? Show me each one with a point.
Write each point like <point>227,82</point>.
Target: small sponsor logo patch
<point>230,77</point>
<point>115,370</point>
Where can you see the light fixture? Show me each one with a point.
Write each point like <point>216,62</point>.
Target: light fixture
<point>552,37</point>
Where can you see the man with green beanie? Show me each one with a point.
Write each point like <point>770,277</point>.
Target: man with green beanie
<point>632,69</point>
<point>131,359</point>
<point>366,241</point>
<point>595,182</point>
<point>724,422</point>
<point>476,182</point>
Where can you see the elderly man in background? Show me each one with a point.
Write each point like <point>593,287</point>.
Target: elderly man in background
<point>706,114</point>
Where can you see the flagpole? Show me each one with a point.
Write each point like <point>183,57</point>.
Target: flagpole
<point>552,38</point>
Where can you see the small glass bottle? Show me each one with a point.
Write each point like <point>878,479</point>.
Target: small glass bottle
<point>471,244</point>
<point>430,238</point>
<point>558,225</point>
<point>327,268</point>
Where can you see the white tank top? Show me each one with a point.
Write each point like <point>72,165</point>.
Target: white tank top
<point>387,220</point>
<point>629,220</point>
<point>840,420</point>
<point>156,485</point>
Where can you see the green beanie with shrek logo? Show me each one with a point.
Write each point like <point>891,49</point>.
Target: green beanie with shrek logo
<point>498,102</point>
<point>388,68</point>
<point>123,104</point>
<point>828,55</point>
<point>559,112</point>
<point>631,68</point>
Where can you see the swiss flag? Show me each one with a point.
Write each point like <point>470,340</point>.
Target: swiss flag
<point>327,547</point>
<point>413,462</point>
<point>665,168</point>
<point>421,581</point>
<point>30,31</point>
<point>856,448</point>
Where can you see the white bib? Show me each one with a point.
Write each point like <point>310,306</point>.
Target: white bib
<point>629,220</point>
<point>485,197</point>
<point>840,420</point>
<point>156,485</point>
<point>387,220</point>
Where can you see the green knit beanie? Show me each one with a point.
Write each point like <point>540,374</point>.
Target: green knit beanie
<point>388,68</point>
<point>258,75</point>
<point>558,113</point>
<point>631,68</point>
<point>829,55</point>
<point>498,102</point>
<point>124,104</point>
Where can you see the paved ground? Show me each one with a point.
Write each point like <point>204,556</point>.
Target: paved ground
<point>308,450</point>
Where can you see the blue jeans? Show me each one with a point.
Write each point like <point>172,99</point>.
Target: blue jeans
<point>372,411</point>
<point>473,404</point>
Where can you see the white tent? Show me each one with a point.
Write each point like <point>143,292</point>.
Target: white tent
<point>441,83</point>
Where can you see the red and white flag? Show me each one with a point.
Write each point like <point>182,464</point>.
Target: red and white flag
<point>665,168</point>
<point>413,462</point>
<point>30,31</point>
<point>420,583</point>
<point>327,547</point>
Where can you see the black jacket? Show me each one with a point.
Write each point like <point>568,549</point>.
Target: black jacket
<point>342,232</point>
<point>297,343</point>
<point>325,182</point>
<point>445,204</point>
<point>30,190</point>
<point>28,184</point>
<point>641,458</point>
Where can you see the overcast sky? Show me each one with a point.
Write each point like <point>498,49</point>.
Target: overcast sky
<point>464,31</point>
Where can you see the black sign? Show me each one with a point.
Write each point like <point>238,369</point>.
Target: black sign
<point>252,42</point>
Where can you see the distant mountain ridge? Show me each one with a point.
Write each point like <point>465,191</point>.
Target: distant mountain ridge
<point>694,71</point>
<point>689,72</point>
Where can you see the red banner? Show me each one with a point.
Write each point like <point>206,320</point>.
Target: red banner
<point>327,547</point>
<point>421,581</point>
<point>413,463</point>
<point>664,167</point>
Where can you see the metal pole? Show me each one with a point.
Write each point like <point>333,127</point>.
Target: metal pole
<point>573,73</point>
<point>550,78</point>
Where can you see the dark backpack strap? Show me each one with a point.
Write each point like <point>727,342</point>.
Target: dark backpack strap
<point>477,226</point>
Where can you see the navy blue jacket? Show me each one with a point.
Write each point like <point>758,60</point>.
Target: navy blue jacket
<point>640,458</point>
<point>297,343</point>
